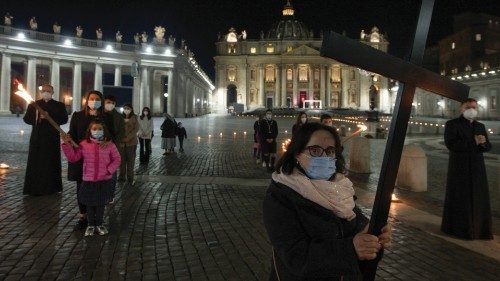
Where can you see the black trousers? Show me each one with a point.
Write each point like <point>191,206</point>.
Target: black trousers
<point>95,215</point>
<point>181,142</point>
<point>81,207</point>
<point>145,148</point>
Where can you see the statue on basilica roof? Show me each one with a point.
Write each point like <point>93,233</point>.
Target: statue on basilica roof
<point>231,37</point>
<point>79,31</point>
<point>57,28</point>
<point>375,35</point>
<point>33,24</point>
<point>244,35</point>
<point>7,20</point>
<point>98,33</point>
<point>159,34</point>
<point>362,35</point>
<point>144,37</point>
<point>137,38</point>
<point>171,40</point>
<point>119,36</point>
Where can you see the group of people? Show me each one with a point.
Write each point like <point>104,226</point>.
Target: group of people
<point>170,129</point>
<point>100,147</point>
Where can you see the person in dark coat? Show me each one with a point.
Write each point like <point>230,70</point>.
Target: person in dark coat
<point>80,121</point>
<point>467,212</point>
<point>257,146</point>
<point>181,134</point>
<point>316,230</point>
<point>168,131</point>
<point>43,179</point>
<point>301,120</point>
<point>268,134</point>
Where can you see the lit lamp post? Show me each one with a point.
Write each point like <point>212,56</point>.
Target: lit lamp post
<point>441,104</point>
<point>484,104</point>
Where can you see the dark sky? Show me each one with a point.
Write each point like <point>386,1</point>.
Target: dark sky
<point>199,21</point>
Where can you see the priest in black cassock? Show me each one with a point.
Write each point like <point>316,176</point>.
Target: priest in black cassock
<point>43,171</point>
<point>467,212</point>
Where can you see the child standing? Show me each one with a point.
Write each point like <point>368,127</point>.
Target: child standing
<point>181,134</point>
<point>100,160</point>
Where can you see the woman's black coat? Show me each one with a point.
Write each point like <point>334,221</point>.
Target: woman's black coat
<point>309,241</point>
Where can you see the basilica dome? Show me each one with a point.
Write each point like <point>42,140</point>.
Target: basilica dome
<point>289,28</point>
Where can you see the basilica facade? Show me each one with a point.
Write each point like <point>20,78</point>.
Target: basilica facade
<point>284,69</point>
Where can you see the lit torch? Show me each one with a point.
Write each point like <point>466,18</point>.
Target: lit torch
<point>27,97</point>
<point>361,127</point>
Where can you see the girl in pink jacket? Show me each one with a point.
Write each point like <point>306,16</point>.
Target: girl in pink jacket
<point>100,161</point>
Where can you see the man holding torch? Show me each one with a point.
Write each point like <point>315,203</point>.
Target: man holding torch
<point>43,170</point>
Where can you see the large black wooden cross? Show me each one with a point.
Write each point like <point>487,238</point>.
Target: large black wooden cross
<point>411,75</point>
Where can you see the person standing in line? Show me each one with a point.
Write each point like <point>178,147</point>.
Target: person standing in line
<point>145,134</point>
<point>269,132</point>
<point>467,211</point>
<point>301,120</point>
<point>181,134</point>
<point>99,165</point>
<point>118,134</point>
<point>129,145</point>
<point>168,130</point>
<point>257,146</point>
<point>326,119</point>
<point>80,121</point>
<point>40,178</point>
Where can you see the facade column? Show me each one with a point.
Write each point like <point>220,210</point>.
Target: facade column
<point>118,75</point>
<point>54,79</point>
<point>329,87</point>
<point>5,84</point>
<point>277,82</point>
<point>170,98</point>
<point>295,76</point>
<point>310,94</point>
<point>31,77</point>
<point>98,77</point>
<point>144,96</point>
<point>261,87</point>
<point>283,85</point>
<point>77,87</point>
<point>136,93</point>
<point>322,94</point>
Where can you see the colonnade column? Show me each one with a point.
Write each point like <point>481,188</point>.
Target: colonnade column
<point>54,78</point>
<point>77,87</point>
<point>5,84</point>
<point>31,77</point>
<point>98,77</point>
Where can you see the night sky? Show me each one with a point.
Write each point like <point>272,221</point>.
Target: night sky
<point>199,21</point>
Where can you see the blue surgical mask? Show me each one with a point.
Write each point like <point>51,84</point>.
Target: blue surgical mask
<point>320,168</point>
<point>94,104</point>
<point>97,134</point>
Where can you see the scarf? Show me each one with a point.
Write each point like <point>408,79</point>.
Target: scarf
<point>336,195</point>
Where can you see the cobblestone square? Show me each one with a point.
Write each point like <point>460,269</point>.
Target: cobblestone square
<point>197,215</point>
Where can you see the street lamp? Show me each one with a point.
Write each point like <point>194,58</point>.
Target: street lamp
<point>441,104</point>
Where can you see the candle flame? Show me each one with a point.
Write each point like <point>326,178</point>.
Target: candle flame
<point>362,127</point>
<point>23,93</point>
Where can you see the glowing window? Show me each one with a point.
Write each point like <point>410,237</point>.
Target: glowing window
<point>303,73</point>
<point>253,50</point>
<point>231,73</point>
<point>453,45</point>
<point>289,74</point>
<point>270,49</point>
<point>270,73</point>
<point>478,37</point>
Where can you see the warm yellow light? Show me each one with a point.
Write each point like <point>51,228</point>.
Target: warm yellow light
<point>4,166</point>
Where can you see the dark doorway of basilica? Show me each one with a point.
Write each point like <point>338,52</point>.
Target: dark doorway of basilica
<point>269,102</point>
<point>373,96</point>
<point>231,95</point>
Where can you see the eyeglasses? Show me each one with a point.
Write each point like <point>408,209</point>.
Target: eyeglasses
<point>317,151</point>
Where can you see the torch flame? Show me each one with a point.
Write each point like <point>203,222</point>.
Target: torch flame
<point>362,127</point>
<point>24,94</point>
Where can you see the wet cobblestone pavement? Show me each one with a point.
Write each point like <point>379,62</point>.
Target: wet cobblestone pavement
<point>198,216</point>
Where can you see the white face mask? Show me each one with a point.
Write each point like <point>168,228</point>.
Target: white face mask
<point>470,114</point>
<point>109,106</point>
<point>127,111</point>
<point>46,96</point>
